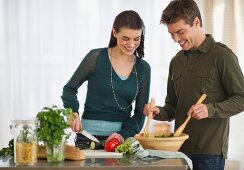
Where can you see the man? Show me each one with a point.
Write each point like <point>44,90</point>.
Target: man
<point>202,66</point>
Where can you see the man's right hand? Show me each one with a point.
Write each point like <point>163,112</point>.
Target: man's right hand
<point>147,109</point>
<point>75,122</point>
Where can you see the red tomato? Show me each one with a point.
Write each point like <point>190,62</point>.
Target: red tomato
<point>111,144</point>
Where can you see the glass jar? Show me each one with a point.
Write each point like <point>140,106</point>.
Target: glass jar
<point>55,153</point>
<point>25,141</point>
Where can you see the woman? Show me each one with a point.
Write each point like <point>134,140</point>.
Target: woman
<point>117,76</point>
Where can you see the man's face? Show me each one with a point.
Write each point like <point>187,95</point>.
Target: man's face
<point>184,34</point>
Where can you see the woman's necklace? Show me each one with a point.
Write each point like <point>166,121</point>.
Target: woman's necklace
<point>113,90</point>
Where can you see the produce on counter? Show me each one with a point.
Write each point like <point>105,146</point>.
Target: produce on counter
<point>88,144</point>
<point>8,150</point>
<point>53,131</point>
<point>129,146</point>
<point>53,125</point>
<point>96,145</point>
<point>111,144</point>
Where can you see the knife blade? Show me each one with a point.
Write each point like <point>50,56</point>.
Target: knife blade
<point>88,135</point>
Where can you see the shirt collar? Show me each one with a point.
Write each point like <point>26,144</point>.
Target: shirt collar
<point>207,43</point>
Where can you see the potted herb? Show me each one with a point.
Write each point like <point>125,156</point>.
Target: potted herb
<point>53,131</point>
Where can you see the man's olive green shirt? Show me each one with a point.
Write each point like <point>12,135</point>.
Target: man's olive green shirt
<point>212,69</point>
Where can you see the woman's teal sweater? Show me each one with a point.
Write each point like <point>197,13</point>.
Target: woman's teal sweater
<point>100,102</point>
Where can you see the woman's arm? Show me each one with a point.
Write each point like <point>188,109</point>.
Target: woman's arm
<point>82,73</point>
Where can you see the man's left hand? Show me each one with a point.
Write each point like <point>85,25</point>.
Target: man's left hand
<point>198,111</point>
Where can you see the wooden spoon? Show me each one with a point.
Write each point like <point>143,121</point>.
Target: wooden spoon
<point>149,117</point>
<point>179,131</point>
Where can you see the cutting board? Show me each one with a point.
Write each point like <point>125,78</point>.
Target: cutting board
<point>101,154</point>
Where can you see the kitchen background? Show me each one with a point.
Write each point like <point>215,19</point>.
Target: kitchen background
<point>43,41</point>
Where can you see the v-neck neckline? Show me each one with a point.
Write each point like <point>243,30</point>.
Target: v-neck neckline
<point>115,73</point>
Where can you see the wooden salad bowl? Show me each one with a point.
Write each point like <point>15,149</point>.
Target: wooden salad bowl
<point>170,143</point>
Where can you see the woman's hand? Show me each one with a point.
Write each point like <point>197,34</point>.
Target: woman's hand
<point>116,135</point>
<point>75,122</point>
<point>147,109</point>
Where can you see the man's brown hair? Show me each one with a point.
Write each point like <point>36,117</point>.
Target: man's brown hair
<point>181,9</point>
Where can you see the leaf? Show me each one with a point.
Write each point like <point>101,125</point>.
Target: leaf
<point>53,124</point>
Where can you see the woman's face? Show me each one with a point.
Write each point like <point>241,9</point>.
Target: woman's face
<point>128,40</point>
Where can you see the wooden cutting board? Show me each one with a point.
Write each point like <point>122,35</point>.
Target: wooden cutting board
<point>101,154</point>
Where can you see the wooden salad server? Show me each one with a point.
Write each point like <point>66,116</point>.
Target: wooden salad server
<point>179,131</point>
<point>149,117</point>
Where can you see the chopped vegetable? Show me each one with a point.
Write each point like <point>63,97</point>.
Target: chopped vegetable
<point>95,145</point>
<point>111,144</point>
<point>129,146</point>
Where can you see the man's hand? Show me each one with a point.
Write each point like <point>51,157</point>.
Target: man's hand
<point>198,111</point>
<point>147,109</point>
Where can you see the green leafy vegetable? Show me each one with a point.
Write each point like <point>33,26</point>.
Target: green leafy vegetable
<point>128,147</point>
<point>53,129</point>
<point>53,125</point>
<point>8,150</point>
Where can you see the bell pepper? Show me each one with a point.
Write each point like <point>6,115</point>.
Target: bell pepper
<point>111,144</point>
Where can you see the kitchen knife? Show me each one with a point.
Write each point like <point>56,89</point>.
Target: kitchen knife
<point>88,135</point>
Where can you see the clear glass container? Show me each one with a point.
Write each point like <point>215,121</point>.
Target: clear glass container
<point>55,153</point>
<point>25,141</point>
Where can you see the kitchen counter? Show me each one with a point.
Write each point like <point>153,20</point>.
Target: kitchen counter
<point>124,163</point>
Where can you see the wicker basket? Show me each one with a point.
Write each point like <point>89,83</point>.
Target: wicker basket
<point>164,143</point>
